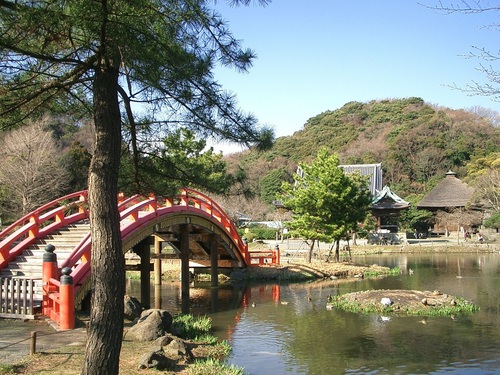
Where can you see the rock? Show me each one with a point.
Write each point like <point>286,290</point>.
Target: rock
<point>386,301</point>
<point>424,301</point>
<point>164,340</point>
<point>157,360</point>
<point>152,324</point>
<point>177,350</point>
<point>132,309</point>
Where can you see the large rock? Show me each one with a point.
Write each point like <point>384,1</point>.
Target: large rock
<point>157,360</point>
<point>177,350</point>
<point>133,308</point>
<point>152,324</point>
<point>170,351</point>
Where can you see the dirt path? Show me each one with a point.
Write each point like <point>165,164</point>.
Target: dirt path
<point>15,338</point>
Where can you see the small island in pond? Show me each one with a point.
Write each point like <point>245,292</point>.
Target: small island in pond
<point>403,302</point>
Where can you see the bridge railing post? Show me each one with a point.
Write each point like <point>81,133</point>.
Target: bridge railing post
<point>67,300</point>
<point>276,257</point>
<point>248,258</point>
<point>49,271</point>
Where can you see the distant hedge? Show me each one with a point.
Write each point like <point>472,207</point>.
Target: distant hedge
<point>257,233</point>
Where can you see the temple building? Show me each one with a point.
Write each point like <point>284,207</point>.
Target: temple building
<point>451,196</point>
<point>386,207</point>
<point>372,171</point>
<point>450,193</point>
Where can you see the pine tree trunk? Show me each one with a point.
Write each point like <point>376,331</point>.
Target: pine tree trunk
<point>337,250</point>
<point>309,254</point>
<point>107,263</point>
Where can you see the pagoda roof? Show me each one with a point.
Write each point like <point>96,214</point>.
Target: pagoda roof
<point>386,199</point>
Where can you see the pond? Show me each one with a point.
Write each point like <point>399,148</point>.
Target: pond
<point>286,329</point>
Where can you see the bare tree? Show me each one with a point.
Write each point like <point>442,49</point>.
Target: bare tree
<point>31,168</point>
<point>488,57</point>
<point>487,113</point>
<point>456,218</point>
<point>487,189</point>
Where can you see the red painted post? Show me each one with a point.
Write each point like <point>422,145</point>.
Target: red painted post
<point>248,258</point>
<point>49,270</point>
<point>66,300</point>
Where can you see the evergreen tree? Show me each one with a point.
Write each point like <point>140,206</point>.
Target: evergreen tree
<point>326,203</point>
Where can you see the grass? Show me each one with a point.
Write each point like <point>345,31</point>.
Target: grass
<point>462,307</point>
<point>392,272</point>
<point>211,366</point>
<point>356,307</point>
<point>7,369</point>
<point>190,328</point>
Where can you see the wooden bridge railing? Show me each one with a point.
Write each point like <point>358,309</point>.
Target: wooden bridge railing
<point>16,297</point>
<point>42,221</point>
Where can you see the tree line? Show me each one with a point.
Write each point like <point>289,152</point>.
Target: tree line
<point>416,143</point>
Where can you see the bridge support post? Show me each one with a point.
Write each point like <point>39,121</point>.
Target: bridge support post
<point>214,296</point>
<point>184,247</point>
<point>143,250</point>
<point>214,259</point>
<point>157,270</point>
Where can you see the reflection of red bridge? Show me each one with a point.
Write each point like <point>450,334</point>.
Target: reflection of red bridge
<point>189,226</point>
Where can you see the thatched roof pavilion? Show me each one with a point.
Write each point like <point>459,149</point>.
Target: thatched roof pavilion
<point>450,193</point>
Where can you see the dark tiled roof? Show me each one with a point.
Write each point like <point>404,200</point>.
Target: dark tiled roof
<point>373,171</point>
<point>450,192</point>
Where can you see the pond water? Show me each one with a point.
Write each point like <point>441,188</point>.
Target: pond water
<point>286,329</point>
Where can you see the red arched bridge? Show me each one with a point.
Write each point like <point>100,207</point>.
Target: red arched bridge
<point>189,226</point>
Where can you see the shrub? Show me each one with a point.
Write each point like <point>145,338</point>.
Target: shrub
<point>493,221</point>
<point>190,328</point>
<point>212,366</point>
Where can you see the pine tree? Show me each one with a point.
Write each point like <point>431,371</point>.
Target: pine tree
<point>153,55</point>
<point>326,203</point>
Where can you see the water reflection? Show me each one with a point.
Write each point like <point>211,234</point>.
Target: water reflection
<point>286,329</point>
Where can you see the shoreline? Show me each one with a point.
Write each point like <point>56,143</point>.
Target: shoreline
<point>325,269</point>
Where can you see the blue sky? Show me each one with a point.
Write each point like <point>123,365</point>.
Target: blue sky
<point>317,55</point>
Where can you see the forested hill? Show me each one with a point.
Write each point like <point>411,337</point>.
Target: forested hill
<point>415,142</point>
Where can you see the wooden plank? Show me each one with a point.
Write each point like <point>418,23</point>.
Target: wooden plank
<point>3,295</point>
<point>17,305</point>
<point>10,304</point>
<point>17,316</point>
